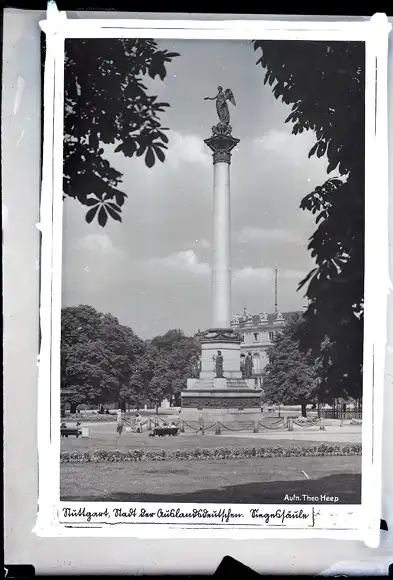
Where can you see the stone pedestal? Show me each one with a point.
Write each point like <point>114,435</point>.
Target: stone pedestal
<point>225,397</point>
<point>85,432</point>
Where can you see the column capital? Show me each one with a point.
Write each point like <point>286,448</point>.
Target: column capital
<point>222,142</point>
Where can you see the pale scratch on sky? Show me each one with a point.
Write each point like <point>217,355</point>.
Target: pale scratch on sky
<point>305,474</point>
<point>20,138</point>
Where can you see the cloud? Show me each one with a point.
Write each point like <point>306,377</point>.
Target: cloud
<point>291,148</point>
<point>186,149</point>
<point>274,140</point>
<point>183,261</point>
<point>250,274</point>
<point>100,243</point>
<point>251,234</point>
<point>293,274</point>
<point>203,244</point>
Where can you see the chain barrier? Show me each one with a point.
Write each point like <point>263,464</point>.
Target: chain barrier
<point>280,420</point>
<point>280,423</point>
<point>192,426</point>
<point>234,429</point>
<point>273,427</point>
<point>209,427</point>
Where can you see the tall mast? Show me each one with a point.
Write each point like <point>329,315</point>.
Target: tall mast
<point>275,291</point>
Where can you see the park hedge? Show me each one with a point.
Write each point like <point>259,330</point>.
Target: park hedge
<point>92,417</point>
<point>276,451</point>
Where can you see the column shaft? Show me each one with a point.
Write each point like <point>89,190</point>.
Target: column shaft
<point>221,271</point>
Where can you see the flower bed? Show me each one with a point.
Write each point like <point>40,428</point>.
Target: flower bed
<point>355,422</point>
<point>209,454</point>
<point>307,420</point>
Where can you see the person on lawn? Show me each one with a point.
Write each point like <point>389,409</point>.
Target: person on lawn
<point>119,428</point>
<point>138,425</point>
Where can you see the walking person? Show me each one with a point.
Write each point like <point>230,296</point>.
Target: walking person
<point>138,423</point>
<point>119,427</point>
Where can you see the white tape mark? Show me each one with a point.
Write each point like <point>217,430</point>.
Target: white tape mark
<point>20,85</point>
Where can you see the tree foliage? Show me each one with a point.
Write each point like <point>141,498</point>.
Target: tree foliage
<point>98,356</point>
<point>291,375</point>
<point>103,361</point>
<point>325,85</point>
<point>173,352</point>
<point>107,103</point>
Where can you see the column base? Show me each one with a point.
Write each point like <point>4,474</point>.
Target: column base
<point>228,342</point>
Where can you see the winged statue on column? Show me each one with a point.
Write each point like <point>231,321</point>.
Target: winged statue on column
<point>221,104</point>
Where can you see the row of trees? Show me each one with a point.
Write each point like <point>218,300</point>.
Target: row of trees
<point>103,361</point>
<point>294,376</point>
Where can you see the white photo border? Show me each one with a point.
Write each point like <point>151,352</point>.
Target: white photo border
<point>339,522</point>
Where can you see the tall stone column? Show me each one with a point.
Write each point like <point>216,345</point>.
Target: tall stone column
<point>221,144</point>
<point>218,387</point>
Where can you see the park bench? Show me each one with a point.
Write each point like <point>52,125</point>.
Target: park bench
<point>162,431</point>
<point>65,431</point>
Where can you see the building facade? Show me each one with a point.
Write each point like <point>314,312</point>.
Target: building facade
<point>257,332</point>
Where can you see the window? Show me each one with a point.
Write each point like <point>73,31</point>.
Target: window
<point>271,336</point>
<point>256,336</point>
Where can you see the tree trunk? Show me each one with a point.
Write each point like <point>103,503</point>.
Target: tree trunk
<point>157,404</point>
<point>304,410</point>
<point>73,409</point>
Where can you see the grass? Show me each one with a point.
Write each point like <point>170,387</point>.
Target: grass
<point>231,481</point>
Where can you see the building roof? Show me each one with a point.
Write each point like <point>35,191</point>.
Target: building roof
<point>271,317</point>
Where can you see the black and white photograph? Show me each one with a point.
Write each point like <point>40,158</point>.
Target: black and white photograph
<point>211,281</point>
<point>196,249</point>
<point>213,271</point>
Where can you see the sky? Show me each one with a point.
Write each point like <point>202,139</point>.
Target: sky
<point>152,271</point>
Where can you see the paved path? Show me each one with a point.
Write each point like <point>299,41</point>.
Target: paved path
<point>330,435</point>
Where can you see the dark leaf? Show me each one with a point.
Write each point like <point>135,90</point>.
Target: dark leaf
<point>149,159</point>
<point>141,150</point>
<point>92,201</point>
<point>160,154</point>
<point>90,215</point>
<point>102,216</point>
<point>313,150</point>
<point>114,213</point>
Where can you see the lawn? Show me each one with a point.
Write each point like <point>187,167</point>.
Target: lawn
<point>111,441</point>
<point>231,481</point>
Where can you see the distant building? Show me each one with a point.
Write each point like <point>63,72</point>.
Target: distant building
<point>257,332</point>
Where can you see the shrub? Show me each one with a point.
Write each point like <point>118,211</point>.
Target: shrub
<point>218,453</point>
<point>307,420</point>
<point>355,422</point>
<point>95,417</point>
